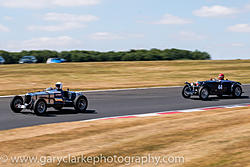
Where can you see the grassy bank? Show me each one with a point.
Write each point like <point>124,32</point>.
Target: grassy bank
<point>16,79</point>
<point>213,138</point>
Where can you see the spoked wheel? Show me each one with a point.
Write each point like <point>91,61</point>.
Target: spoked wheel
<point>15,102</point>
<point>237,91</point>
<point>204,93</point>
<point>40,107</point>
<point>81,104</point>
<point>186,92</point>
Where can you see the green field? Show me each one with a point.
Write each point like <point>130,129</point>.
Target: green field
<point>16,79</point>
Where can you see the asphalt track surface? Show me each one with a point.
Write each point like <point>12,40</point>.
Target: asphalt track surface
<point>116,103</point>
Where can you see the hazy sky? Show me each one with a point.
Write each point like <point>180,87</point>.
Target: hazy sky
<point>220,27</point>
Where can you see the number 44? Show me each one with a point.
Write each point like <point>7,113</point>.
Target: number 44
<point>220,87</point>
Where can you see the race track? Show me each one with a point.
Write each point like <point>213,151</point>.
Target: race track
<point>115,103</point>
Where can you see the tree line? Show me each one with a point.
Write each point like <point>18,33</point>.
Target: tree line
<point>95,56</point>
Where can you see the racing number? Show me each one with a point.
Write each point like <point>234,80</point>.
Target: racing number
<point>220,87</point>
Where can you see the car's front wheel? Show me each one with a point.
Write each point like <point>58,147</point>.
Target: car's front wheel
<point>40,107</point>
<point>15,102</point>
<point>204,93</point>
<point>237,91</point>
<point>81,104</point>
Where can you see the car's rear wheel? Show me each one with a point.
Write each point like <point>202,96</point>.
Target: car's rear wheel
<point>237,91</point>
<point>81,104</point>
<point>186,92</point>
<point>40,107</point>
<point>204,93</point>
<point>15,102</point>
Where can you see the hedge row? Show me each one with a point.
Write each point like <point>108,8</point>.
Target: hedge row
<point>94,56</point>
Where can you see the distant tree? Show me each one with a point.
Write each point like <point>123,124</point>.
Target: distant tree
<point>92,56</point>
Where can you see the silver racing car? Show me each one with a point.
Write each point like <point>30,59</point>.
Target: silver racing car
<point>51,97</point>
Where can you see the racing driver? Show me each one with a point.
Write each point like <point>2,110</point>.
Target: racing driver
<point>220,77</point>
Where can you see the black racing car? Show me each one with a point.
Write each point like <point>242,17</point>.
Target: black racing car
<point>212,87</point>
<point>40,101</point>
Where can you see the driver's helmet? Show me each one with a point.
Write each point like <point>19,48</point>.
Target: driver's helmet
<point>59,85</point>
<point>221,77</point>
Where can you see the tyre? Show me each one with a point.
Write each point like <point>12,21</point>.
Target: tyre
<point>204,93</point>
<point>40,107</point>
<point>81,104</point>
<point>185,92</point>
<point>237,91</point>
<point>17,100</point>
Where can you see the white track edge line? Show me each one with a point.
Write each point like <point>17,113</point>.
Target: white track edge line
<point>177,111</point>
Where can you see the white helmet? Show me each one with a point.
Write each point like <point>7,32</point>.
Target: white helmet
<point>59,85</point>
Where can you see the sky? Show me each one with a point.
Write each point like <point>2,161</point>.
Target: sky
<point>219,27</point>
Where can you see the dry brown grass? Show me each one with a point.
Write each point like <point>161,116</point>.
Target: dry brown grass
<point>213,138</point>
<point>15,79</point>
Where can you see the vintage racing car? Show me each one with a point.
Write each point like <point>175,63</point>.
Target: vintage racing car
<point>212,87</point>
<point>40,101</point>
